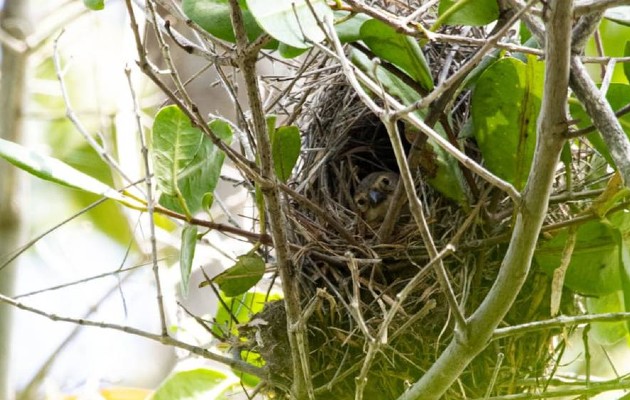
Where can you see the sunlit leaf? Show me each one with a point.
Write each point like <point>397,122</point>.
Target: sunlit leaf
<point>94,4</point>
<point>626,66</point>
<point>214,17</point>
<point>291,21</point>
<point>467,12</point>
<point>252,358</point>
<point>196,384</point>
<point>242,276</point>
<point>607,333</point>
<point>238,310</point>
<point>186,255</point>
<point>285,150</point>
<point>401,50</point>
<point>176,142</point>
<point>620,15</point>
<point>594,266</point>
<point>504,107</point>
<point>198,175</point>
<point>54,170</point>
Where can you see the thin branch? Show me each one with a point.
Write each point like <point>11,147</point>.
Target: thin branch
<point>603,117</point>
<point>489,45</point>
<point>166,340</point>
<point>591,6</point>
<point>302,383</point>
<point>561,321</point>
<point>150,202</point>
<point>529,217</point>
<point>581,392</point>
<point>354,76</point>
<point>415,206</point>
<point>71,115</point>
<point>30,389</point>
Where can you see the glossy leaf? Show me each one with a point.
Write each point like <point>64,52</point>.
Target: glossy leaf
<point>594,266</point>
<point>618,95</point>
<point>291,21</point>
<point>626,66</point>
<point>620,15</point>
<point>186,255</point>
<point>242,276</point>
<point>504,107</point>
<point>466,12</point>
<point>196,384</point>
<point>285,150</point>
<point>54,170</point>
<point>94,4</point>
<point>348,27</point>
<point>201,174</point>
<point>401,50</point>
<point>214,17</point>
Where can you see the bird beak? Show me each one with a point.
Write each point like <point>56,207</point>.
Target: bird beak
<point>376,196</point>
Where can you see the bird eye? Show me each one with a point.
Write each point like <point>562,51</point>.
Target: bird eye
<point>361,202</point>
<point>385,181</point>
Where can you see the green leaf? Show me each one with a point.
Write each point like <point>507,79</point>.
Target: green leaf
<point>626,66</point>
<point>466,12</point>
<point>196,384</point>
<point>607,333</point>
<point>242,276</point>
<point>252,358</point>
<point>94,4</point>
<point>618,95</point>
<point>54,170</point>
<point>206,202</point>
<point>285,150</point>
<point>214,17</point>
<point>349,27</point>
<point>621,222</point>
<point>196,176</point>
<point>175,143</point>
<point>291,21</point>
<point>187,254</point>
<point>108,217</point>
<point>287,51</point>
<point>504,109</point>
<point>237,310</point>
<point>594,266</point>
<point>401,50</point>
<point>620,15</point>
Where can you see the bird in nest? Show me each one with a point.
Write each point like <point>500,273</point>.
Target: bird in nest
<point>374,195</point>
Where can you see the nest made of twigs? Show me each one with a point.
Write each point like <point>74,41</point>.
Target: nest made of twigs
<point>361,275</point>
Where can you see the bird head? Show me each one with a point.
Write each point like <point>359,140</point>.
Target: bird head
<point>374,195</point>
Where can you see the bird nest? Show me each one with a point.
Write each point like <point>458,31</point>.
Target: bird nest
<point>350,277</point>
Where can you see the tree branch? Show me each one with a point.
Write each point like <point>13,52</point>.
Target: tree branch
<point>530,214</point>
<point>246,58</point>
<point>603,117</point>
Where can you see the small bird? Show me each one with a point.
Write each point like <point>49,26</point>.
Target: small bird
<point>374,195</point>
